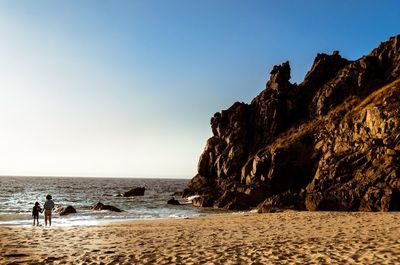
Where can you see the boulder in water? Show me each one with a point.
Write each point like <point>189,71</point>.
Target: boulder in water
<point>173,201</point>
<point>138,191</point>
<point>68,210</point>
<point>100,206</point>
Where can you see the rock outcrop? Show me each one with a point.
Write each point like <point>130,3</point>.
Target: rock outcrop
<point>100,206</point>
<point>173,201</point>
<point>67,210</point>
<point>329,143</point>
<point>138,191</point>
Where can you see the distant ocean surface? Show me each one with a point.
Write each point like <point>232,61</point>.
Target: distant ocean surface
<point>18,195</point>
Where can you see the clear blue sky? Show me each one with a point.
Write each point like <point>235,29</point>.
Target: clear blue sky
<point>127,88</point>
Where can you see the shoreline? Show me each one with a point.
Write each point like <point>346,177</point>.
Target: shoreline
<point>64,222</point>
<point>289,237</point>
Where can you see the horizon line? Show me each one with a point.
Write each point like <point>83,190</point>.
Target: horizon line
<point>91,176</point>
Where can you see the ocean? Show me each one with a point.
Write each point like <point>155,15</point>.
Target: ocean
<point>18,195</point>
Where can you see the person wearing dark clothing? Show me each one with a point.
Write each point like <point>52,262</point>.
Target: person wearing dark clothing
<point>35,213</point>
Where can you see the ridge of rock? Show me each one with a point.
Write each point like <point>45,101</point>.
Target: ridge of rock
<point>330,143</point>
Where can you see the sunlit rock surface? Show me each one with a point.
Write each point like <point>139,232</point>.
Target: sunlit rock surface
<point>329,143</point>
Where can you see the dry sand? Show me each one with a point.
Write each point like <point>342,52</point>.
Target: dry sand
<point>278,238</point>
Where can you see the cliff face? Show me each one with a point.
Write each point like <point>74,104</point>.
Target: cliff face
<point>329,143</point>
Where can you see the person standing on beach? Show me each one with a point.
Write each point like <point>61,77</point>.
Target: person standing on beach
<point>48,209</point>
<point>35,213</point>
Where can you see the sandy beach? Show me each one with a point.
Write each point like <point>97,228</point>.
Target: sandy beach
<point>279,238</point>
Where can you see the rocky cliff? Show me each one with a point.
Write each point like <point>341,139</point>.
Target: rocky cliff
<point>329,143</point>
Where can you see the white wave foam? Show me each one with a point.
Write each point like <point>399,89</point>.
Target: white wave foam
<point>191,198</point>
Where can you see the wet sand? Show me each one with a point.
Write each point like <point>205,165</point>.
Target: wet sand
<point>278,238</point>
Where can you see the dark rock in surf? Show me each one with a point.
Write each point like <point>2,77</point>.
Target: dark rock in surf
<point>138,191</point>
<point>173,201</point>
<point>68,210</point>
<point>100,206</point>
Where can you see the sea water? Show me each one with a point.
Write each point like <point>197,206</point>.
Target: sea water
<point>18,195</point>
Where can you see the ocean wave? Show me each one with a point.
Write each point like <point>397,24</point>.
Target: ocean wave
<point>84,193</point>
<point>191,198</point>
<point>14,217</point>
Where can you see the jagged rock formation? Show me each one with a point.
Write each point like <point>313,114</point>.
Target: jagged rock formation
<point>329,143</point>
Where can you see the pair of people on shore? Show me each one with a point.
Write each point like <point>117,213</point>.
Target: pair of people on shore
<point>48,209</point>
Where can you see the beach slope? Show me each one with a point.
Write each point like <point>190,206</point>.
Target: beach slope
<point>279,238</point>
